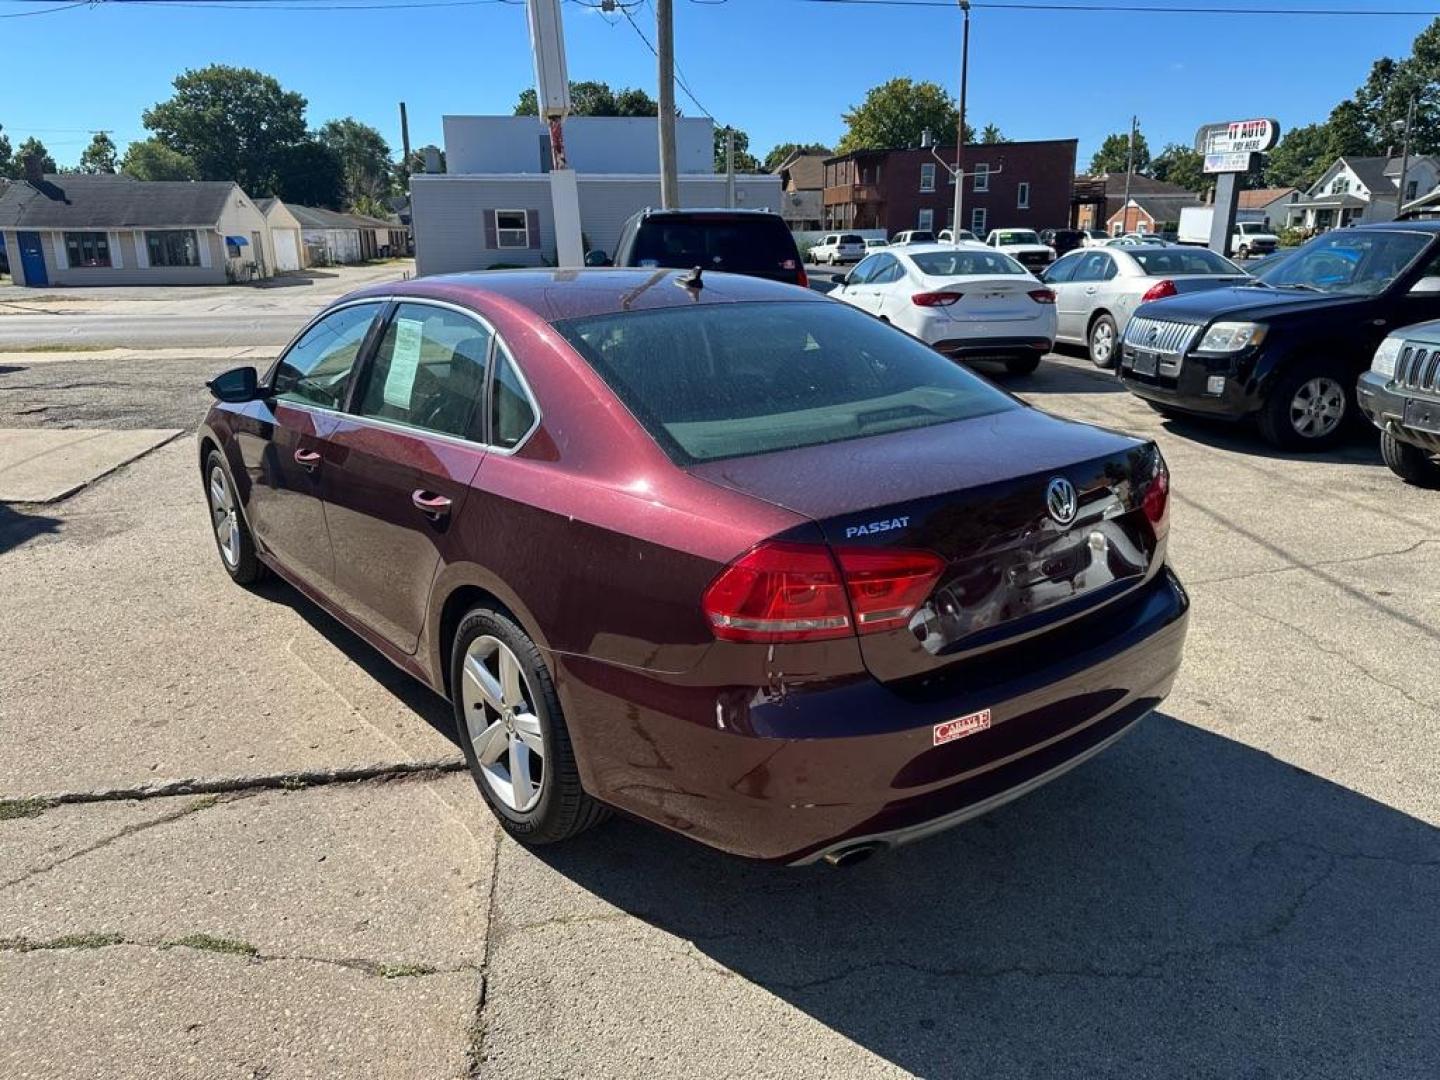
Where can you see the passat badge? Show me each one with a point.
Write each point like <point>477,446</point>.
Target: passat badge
<point>961,726</point>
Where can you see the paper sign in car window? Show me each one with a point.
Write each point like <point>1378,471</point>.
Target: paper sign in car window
<point>404,362</point>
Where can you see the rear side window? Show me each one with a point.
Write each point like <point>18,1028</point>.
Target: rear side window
<point>429,371</point>
<point>512,414</point>
<point>966,261</point>
<point>747,245</point>
<point>316,370</point>
<point>728,380</point>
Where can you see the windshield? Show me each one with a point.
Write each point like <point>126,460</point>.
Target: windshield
<point>756,244</point>
<point>964,261</point>
<point>1018,236</point>
<point>1347,262</point>
<point>727,380</point>
<point>1176,261</point>
<point>1251,227</point>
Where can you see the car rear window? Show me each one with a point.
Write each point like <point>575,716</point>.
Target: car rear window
<point>728,380</point>
<point>1177,261</point>
<point>747,245</point>
<point>966,261</point>
<point>851,238</point>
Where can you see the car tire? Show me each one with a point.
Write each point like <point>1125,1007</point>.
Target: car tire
<point>1289,418</point>
<point>227,523</point>
<point>1409,462</point>
<point>509,732</point>
<point>1244,252</point>
<point>1023,365</point>
<point>1102,341</point>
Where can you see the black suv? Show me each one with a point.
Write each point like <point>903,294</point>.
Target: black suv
<point>1062,240</point>
<point>1401,396</point>
<point>752,242</point>
<point>1287,347</point>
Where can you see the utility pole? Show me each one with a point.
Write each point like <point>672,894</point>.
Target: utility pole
<point>665,54</point>
<point>959,209</point>
<point>1129,172</point>
<point>1404,159</point>
<point>552,94</point>
<point>730,167</point>
<point>404,137</point>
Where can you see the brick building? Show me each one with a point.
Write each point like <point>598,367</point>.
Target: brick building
<point>1020,185</point>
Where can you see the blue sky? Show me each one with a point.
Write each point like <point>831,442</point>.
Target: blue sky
<point>780,69</point>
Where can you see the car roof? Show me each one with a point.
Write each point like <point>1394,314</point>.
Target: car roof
<point>927,249</point>
<point>555,294</point>
<point>1429,226</point>
<point>708,211</point>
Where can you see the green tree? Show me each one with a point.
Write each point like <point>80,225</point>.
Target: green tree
<point>1181,165</point>
<point>779,153</point>
<point>744,160</point>
<point>309,173</point>
<point>1299,159</point>
<point>364,158</point>
<point>233,123</point>
<point>100,156</point>
<point>34,148</point>
<point>416,164</point>
<point>897,114</point>
<point>6,155</point>
<point>150,159</point>
<point>992,136</point>
<point>1114,154</point>
<point>594,99</point>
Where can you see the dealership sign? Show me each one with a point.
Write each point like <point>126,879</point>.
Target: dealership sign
<point>1228,146</point>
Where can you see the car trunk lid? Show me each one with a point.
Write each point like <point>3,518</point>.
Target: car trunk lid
<point>991,299</point>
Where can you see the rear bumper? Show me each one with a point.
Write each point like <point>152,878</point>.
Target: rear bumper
<point>766,773</point>
<point>1385,407</point>
<point>1002,348</point>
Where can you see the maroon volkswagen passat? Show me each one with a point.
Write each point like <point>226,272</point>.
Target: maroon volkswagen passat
<point>716,552</point>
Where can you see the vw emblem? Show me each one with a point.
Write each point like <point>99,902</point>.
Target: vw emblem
<point>1061,500</point>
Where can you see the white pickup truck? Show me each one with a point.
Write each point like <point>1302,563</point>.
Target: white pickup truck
<point>1251,236</point>
<point>1024,246</point>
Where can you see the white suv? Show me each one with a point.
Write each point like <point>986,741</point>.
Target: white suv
<point>838,248</point>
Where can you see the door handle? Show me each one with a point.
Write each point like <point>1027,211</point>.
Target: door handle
<point>1091,291</point>
<point>431,505</point>
<point>307,459</point>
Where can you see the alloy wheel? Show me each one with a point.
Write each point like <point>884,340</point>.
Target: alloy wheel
<point>1102,342</point>
<point>502,724</point>
<point>1317,407</point>
<point>223,517</point>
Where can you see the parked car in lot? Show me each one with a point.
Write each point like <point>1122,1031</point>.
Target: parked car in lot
<point>753,242</point>
<point>838,248</point>
<point>950,236</point>
<point>912,236</point>
<point>1024,246</point>
<point>1096,237</point>
<point>1136,240</point>
<point>1062,240</point>
<point>967,302</point>
<point>1097,290</point>
<point>873,242</point>
<point>1401,396</point>
<point>714,551</point>
<point>1286,347</point>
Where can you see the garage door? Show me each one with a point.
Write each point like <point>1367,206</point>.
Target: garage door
<point>287,250</point>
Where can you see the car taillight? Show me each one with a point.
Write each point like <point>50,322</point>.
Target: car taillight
<point>1156,500</point>
<point>802,279</point>
<point>935,299</point>
<point>780,591</point>
<point>1042,296</point>
<point>1160,290</point>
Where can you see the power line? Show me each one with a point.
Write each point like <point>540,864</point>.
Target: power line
<point>679,77</point>
<point>1124,9</point>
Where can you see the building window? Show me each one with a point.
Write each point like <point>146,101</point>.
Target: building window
<point>1341,185</point>
<point>1412,188</point>
<point>87,249</point>
<point>173,247</point>
<point>982,177</point>
<point>978,218</point>
<point>511,229</point>
<point>1022,195</point>
<point>926,220</point>
<point>927,176</point>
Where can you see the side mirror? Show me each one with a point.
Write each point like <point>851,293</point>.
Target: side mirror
<point>597,258</point>
<point>237,386</point>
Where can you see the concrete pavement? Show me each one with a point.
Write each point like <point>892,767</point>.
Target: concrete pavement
<point>1244,886</point>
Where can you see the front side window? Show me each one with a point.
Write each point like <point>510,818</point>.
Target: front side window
<point>316,369</point>
<point>84,249</point>
<point>512,413</point>
<point>1063,269</point>
<point>512,229</point>
<point>1022,195</point>
<point>173,247</point>
<point>865,269</point>
<point>727,380</point>
<point>927,176</point>
<point>889,271</point>
<point>429,370</point>
<point>982,177</point>
<point>1357,263</point>
<point>1096,266</point>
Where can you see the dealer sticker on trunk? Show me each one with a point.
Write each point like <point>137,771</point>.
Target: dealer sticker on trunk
<point>961,726</point>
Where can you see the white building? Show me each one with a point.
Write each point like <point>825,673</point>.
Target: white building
<point>1361,190</point>
<point>493,207</point>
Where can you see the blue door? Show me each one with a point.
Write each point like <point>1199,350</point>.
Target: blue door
<point>32,258</point>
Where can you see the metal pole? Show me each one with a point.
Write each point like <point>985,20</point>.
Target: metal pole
<point>730,167</point>
<point>959,210</point>
<point>404,137</point>
<point>665,50</point>
<point>1129,171</point>
<point>1404,159</point>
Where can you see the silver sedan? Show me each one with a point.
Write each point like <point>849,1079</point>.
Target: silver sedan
<point>1098,289</point>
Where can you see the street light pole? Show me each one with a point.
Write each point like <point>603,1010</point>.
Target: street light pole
<point>1404,160</point>
<point>665,55</point>
<point>959,209</point>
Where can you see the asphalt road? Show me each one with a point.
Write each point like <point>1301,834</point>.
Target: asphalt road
<point>1245,886</point>
<point>103,330</point>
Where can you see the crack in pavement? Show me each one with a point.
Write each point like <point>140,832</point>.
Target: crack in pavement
<point>1351,561</point>
<point>475,1052</point>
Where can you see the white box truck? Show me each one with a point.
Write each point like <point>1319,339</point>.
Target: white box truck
<point>1251,236</point>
